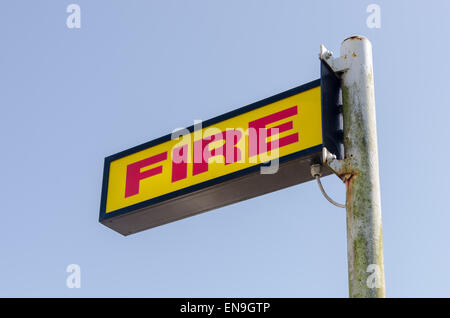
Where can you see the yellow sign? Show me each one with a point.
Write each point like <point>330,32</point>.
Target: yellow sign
<point>212,152</point>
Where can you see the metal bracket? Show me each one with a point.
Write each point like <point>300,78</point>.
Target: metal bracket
<point>341,168</point>
<point>338,65</point>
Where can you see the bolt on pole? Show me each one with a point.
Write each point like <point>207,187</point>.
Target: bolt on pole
<point>359,168</point>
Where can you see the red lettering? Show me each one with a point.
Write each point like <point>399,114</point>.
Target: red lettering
<point>134,174</point>
<point>202,152</point>
<point>258,132</point>
<point>179,163</point>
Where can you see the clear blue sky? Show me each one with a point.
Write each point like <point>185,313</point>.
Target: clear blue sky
<point>138,69</point>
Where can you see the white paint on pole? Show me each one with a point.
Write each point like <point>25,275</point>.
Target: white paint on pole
<point>359,169</point>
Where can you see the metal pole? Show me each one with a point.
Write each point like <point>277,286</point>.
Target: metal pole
<point>359,168</point>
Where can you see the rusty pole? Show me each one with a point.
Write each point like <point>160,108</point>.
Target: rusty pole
<point>359,168</point>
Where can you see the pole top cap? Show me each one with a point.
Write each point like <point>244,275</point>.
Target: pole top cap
<point>356,38</point>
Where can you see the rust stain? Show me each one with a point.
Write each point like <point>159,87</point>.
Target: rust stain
<point>355,37</point>
<point>348,179</point>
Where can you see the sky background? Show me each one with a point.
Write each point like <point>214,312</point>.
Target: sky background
<point>136,70</point>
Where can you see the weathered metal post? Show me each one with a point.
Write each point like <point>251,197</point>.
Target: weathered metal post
<point>359,168</point>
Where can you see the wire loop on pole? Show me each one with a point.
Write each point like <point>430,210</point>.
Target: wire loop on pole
<point>316,172</point>
<point>326,195</point>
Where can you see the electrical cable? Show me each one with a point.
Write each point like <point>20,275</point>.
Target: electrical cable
<point>316,173</point>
